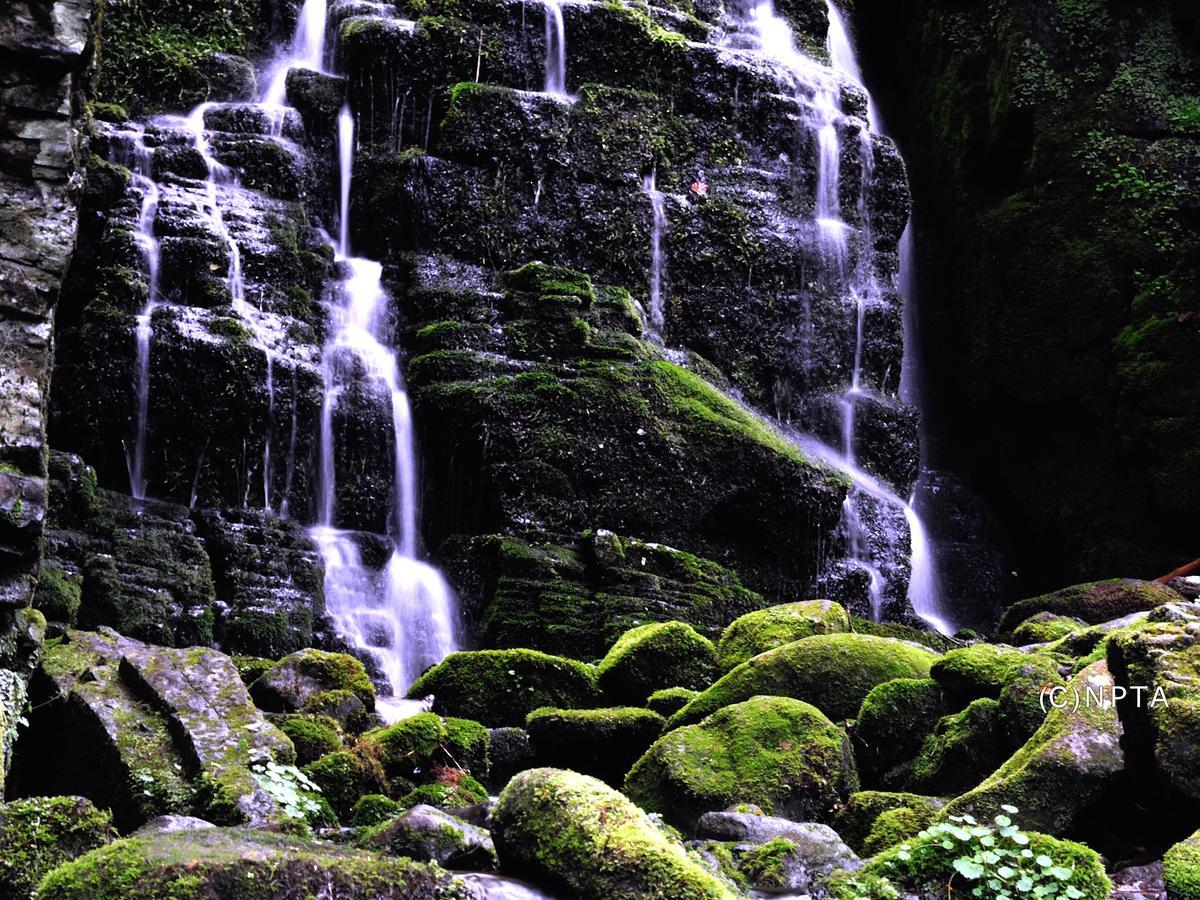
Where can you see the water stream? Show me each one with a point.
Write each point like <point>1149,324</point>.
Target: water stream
<point>556,50</point>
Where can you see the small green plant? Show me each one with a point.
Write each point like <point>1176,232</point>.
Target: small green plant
<point>994,861</point>
<point>288,787</point>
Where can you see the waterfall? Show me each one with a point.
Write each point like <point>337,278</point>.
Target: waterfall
<point>657,229</point>
<point>403,618</point>
<point>131,151</point>
<point>307,52</point>
<point>556,50</point>
<point>774,38</point>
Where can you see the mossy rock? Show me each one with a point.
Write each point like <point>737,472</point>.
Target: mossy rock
<point>766,629</point>
<point>980,670</point>
<point>894,826</point>
<point>892,724</point>
<point>833,672</point>
<point>251,668</point>
<point>502,687</point>
<point>668,701</point>
<point>432,835</point>
<point>454,789</point>
<point>856,819</point>
<point>312,736</point>
<point>923,865</point>
<point>1044,627</point>
<point>780,754</point>
<point>371,809</point>
<point>1068,764</point>
<point>58,594</point>
<point>229,862</point>
<point>1094,602</point>
<point>577,836</point>
<point>603,743</point>
<point>1021,698</point>
<point>42,833</point>
<point>346,775</point>
<point>963,749</point>
<point>413,748</point>
<point>1181,869</point>
<point>654,656</point>
<point>290,683</point>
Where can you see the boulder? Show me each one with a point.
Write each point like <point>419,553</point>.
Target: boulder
<point>153,731</point>
<point>1064,768</point>
<point>602,743</point>
<point>655,656</point>
<point>1094,602</point>
<point>427,834</point>
<point>373,809</point>
<point>1043,627</point>
<point>572,834</point>
<point>510,751</point>
<point>963,749</point>
<point>289,684</point>
<point>345,776</point>
<point>833,672</point>
<point>312,736</point>
<point>797,864</point>
<point>766,629</point>
<point>41,833</point>
<point>892,724</point>
<point>856,819</point>
<point>1181,869</point>
<point>501,687</point>
<point>413,748</point>
<point>237,862</point>
<point>780,754</point>
<point>980,670</point>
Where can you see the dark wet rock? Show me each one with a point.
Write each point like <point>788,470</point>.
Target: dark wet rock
<point>1141,883</point>
<point>602,743</point>
<point>430,835</point>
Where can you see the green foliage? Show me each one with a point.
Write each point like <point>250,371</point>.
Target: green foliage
<point>373,809</point>
<point>290,788</point>
<point>313,737</point>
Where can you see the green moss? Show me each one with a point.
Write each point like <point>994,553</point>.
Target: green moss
<point>766,629</point>
<point>501,687</point>
<point>58,594</point>
<point>413,748</point>
<point>251,668</point>
<point>1181,869</point>
<point>980,670</point>
<point>856,820</point>
<point>41,833</point>
<point>603,743</point>
<point>346,775</point>
<point>965,747</point>
<point>780,754</point>
<point>765,864</point>
<point>576,836</point>
<point>455,791</point>
<point>327,671</point>
<point>668,701</point>
<point>240,863</point>
<point>373,809</point>
<point>931,639</point>
<point>1044,627</point>
<point>834,672</point>
<point>894,826</point>
<point>892,724</point>
<point>1094,602</point>
<point>654,656</point>
<point>313,737</point>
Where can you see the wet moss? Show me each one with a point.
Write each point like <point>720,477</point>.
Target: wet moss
<point>346,775</point>
<point>1181,869</point>
<point>453,790</point>
<point>856,820</point>
<point>892,724</point>
<point>964,747</point>
<point>766,629</point>
<point>413,748</point>
<point>42,833</point>
<point>1094,602</point>
<point>58,594</point>
<point>654,656</point>
<point>312,736</point>
<point>668,701</point>
<point>373,809</point>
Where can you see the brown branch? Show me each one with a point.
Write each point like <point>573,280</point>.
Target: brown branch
<point>1191,568</point>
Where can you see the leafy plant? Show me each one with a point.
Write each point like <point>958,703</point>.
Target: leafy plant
<point>289,787</point>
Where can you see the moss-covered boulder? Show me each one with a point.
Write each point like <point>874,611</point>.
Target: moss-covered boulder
<point>857,817</point>
<point>220,862</point>
<point>782,755</point>
<point>924,866</point>
<point>603,743</point>
<point>1094,602</point>
<point>427,834</point>
<point>963,749</point>
<point>413,748</point>
<point>373,809</point>
<point>668,701</point>
<point>659,655</point>
<point>766,629</point>
<point>980,670</point>
<point>345,776</point>
<point>312,736</point>
<point>1043,627</point>
<point>833,672</point>
<point>502,687</point>
<point>42,833</point>
<point>895,825</point>
<point>1181,869</point>
<point>892,724</point>
<point>1022,703</point>
<point>1161,660</point>
<point>289,684</point>
<point>450,789</point>
<point>1064,768</point>
<point>573,834</point>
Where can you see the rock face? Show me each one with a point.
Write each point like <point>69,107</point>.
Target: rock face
<point>430,835</point>
<point>1056,264</point>
<point>46,48</point>
<point>233,862</point>
<point>147,731</point>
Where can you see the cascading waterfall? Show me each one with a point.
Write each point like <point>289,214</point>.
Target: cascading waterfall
<point>131,151</point>
<point>773,37</point>
<point>556,50</point>
<point>306,52</point>
<point>658,228</point>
